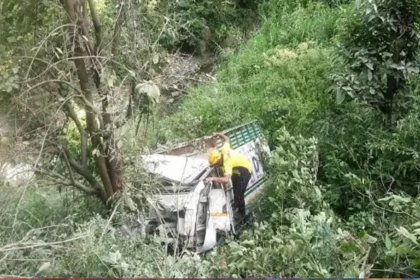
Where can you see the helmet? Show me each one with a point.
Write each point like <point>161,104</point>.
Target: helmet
<point>214,157</point>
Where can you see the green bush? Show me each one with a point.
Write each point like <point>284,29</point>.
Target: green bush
<point>299,236</point>
<point>206,21</point>
<point>279,77</point>
<point>357,156</point>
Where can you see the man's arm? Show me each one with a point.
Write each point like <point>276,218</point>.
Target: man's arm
<point>221,180</point>
<point>225,179</point>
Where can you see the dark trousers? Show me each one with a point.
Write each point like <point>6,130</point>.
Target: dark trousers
<point>239,183</point>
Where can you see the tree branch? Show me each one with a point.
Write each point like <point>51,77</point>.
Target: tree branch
<point>71,113</point>
<point>83,135</point>
<point>81,170</point>
<point>84,27</point>
<point>96,25</point>
<point>59,179</point>
<point>70,170</point>
<point>81,95</point>
<point>87,90</point>
<point>28,245</point>
<point>118,25</point>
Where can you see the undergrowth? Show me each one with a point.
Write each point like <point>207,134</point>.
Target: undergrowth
<point>341,199</point>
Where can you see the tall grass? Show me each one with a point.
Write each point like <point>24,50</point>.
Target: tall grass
<point>287,60</point>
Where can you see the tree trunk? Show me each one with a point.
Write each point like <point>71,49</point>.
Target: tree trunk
<point>115,160</point>
<point>108,157</point>
<point>73,8</point>
<point>387,106</point>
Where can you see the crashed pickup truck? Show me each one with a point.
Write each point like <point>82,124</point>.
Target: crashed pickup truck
<point>193,214</point>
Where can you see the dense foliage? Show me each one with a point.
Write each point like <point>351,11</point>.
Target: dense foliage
<point>206,25</point>
<point>381,51</point>
<point>282,77</point>
<point>342,195</point>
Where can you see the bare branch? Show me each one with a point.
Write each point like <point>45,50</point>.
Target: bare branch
<point>84,28</point>
<point>70,170</point>
<point>59,179</point>
<point>43,42</point>
<point>31,245</point>
<point>118,25</point>
<point>36,164</point>
<point>51,65</point>
<point>96,25</point>
<point>83,135</point>
<point>81,95</point>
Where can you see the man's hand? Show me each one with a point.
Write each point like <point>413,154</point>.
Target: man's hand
<point>215,135</point>
<point>220,135</point>
<point>209,179</point>
<point>221,180</point>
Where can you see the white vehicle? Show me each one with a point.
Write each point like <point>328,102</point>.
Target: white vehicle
<point>189,212</point>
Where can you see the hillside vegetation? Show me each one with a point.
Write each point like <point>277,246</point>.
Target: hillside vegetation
<point>334,86</point>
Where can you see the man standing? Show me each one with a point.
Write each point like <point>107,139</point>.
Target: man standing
<point>236,167</point>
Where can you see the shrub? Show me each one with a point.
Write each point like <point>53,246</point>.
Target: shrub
<point>279,77</point>
<point>301,237</point>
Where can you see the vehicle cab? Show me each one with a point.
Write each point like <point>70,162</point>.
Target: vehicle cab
<point>190,212</point>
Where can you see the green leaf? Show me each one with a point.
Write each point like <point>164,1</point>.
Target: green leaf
<point>388,243</point>
<point>404,232</point>
<point>132,73</point>
<point>119,144</point>
<point>348,247</point>
<point>156,58</point>
<point>371,17</point>
<point>43,267</point>
<point>369,75</point>
<point>11,39</point>
<point>331,88</point>
<point>340,97</point>
<point>110,82</point>
<point>385,198</point>
<point>358,3</point>
<point>367,237</point>
<point>248,242</point>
